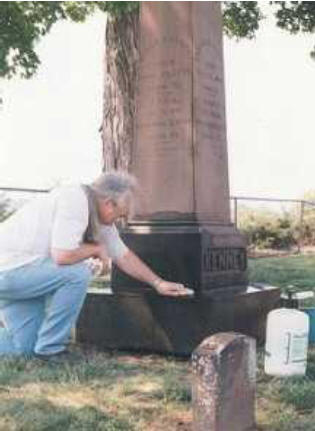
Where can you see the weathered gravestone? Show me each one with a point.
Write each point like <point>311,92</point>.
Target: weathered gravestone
<point>182,227</point>
<point>223,385</point>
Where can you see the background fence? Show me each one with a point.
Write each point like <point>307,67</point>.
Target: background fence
<point>267,222</point>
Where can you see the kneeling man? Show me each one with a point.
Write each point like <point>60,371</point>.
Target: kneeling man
<point>44,248</point>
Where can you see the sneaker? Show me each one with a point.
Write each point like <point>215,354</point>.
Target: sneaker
<point>64,357</point>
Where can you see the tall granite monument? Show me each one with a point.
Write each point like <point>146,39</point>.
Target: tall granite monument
<point>182,226</point>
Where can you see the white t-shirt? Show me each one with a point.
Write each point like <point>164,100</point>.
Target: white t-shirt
<point>55,220</point>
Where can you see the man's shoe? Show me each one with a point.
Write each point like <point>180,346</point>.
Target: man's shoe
<point>64,357</point>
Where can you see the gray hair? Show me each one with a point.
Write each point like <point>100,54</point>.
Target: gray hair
<point>114,185</point>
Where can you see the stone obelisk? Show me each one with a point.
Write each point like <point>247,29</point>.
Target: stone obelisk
<point>182,226</point>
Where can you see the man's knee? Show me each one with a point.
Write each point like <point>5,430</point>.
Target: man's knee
<point>79,273</point>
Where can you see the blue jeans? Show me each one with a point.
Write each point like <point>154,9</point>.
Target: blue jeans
<point>39,304</point>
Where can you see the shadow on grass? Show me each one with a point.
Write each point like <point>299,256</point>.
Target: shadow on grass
<point>18,371</point>
<point>94,365</point>
<point>101,372</point>
<point>22,415</point>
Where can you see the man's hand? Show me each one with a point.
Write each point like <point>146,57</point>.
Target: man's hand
<point>169,288</point>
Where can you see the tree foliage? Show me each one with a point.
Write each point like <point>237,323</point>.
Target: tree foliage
<point>241,19</point>
<point>296,17</point>
<point>23,23</point>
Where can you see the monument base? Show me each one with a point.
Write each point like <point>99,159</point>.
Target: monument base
<point>151,323</point>
<point>208,258</point>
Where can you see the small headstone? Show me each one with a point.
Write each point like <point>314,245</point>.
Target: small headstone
<point>223,387</point>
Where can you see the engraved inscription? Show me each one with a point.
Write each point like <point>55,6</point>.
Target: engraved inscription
<point>164,86</point>
<point>209,104</point>
<point>224,259</point>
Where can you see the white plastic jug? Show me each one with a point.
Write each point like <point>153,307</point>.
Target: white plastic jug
<point>286,342</point>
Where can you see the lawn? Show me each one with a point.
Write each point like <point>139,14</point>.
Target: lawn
<point>120,391</point>
<point>106,392</point>
<point>297,270</point>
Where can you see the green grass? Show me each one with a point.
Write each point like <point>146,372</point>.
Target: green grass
<point>298,271</point>
<point>286,404</point>
<point>112,392</point>
<point>124,392</point>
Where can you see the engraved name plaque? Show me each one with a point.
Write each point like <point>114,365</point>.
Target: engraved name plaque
<point>224,259</point>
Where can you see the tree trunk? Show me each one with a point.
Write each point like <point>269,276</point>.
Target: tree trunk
<point>120,83</point>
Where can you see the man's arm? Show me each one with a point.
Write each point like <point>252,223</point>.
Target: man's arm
<point>135,267</point>
<point>68,257</point>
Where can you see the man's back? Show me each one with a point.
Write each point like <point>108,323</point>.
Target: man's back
<point>27,234</point>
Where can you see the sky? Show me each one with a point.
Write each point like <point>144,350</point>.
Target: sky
<point>270,93</point>
<point>49,124</point>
